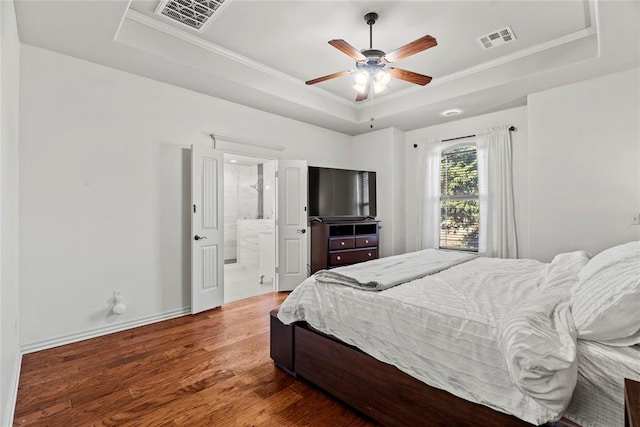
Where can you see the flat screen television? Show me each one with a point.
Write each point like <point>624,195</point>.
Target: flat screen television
<point>341,193</point>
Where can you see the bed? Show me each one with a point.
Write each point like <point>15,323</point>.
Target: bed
<point>442,338</point>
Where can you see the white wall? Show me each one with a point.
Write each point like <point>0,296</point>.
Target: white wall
<point>381,151</point>
<point>584,173</point>
<point>104,188</point>
<point>9,95</point>
<point>576,165</point>
<point>399,196</point>
<point>516,117</point>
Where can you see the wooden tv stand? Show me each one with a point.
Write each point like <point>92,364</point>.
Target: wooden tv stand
<point>336,243</point>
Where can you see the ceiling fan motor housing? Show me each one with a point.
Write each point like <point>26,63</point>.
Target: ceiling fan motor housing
<point>374,58</point>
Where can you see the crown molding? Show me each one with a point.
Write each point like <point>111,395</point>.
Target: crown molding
<point>124,16</point>
<point>568,38</point>
<point>592,23</point>
<point>193,39</point>
<point>235,140</point>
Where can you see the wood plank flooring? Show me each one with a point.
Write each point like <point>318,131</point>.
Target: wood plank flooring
<point>211,369</point>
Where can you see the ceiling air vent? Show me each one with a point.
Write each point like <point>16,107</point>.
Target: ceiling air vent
<point>196,14</point>
<point>502,36</point>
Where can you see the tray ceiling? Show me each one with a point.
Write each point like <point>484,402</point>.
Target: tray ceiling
<point>259,53</point>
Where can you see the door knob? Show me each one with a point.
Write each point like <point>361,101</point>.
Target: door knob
<point>196,237</point>
<point>302,230</point>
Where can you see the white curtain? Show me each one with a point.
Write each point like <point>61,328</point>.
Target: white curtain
<point>495,185</point>
<point>428,186</point>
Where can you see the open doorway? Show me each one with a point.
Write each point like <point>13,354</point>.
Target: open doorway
<point>249,226</point>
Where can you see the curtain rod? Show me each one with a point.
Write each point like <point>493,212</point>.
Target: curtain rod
<point>512,129</point>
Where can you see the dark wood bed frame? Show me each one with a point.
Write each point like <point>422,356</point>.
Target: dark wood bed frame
<point>377,389</point>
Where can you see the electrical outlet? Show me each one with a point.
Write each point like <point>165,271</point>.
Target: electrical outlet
<point>635,220</point>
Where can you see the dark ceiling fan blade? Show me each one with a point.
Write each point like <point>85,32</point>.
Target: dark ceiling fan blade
<point>346,48</point>
<point>409,76</point>
<point>423,43</point>
<point>329,77</point>
<point>362,96</point>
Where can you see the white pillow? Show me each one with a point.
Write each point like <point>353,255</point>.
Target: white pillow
<point>564,269</point>
<point>605,302</point>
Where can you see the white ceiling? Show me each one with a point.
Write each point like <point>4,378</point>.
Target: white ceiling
<point>260,53</point>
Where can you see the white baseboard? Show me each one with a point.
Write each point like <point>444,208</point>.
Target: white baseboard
<point>7,417</point>
<point>10,408</point>
<point>97,332</point>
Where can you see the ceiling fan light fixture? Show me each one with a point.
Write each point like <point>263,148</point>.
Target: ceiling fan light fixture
<point>378,87</point>
<point>361,78</point>
<point>360,88</point>
<point>383,78</point>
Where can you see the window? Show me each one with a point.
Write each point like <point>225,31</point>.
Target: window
<point>459,203</point>
<point>363,193</point>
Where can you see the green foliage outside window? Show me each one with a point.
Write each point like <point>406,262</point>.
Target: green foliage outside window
<point>459,205</point>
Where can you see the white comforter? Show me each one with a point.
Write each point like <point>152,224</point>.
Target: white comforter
<point>445,329</point>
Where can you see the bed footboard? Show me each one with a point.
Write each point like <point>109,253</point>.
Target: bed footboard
<point>377,389</point>
<point>281,343</point>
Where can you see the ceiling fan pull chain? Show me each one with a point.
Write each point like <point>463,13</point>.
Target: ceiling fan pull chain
<point>371,110</point>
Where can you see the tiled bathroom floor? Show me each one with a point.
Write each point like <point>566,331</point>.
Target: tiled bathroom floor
<point>241,282</point>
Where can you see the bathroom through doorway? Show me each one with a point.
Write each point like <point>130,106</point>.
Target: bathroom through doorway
<point>249,226</point>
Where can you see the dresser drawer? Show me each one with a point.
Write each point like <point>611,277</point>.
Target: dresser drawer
<point>366,241</point>
<point>351,257</point>
<point>341,243</point>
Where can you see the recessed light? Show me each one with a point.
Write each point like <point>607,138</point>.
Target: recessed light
<point>452,112</point>
<point>233,161</point>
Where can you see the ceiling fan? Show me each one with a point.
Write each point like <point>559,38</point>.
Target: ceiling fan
<point>371,64</point>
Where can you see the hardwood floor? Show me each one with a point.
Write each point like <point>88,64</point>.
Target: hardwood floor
<point>211,369</point>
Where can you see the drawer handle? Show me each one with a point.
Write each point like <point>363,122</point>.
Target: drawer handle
<point>338,258</point>
<point>342,243</point>
<point>366,241</point>
<point>369,254</point>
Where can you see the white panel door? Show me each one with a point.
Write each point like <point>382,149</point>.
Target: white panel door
<point>291,222</point>
<point>207,251</point>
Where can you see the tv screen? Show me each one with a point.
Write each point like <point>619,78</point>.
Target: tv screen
<point>336,193</point>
